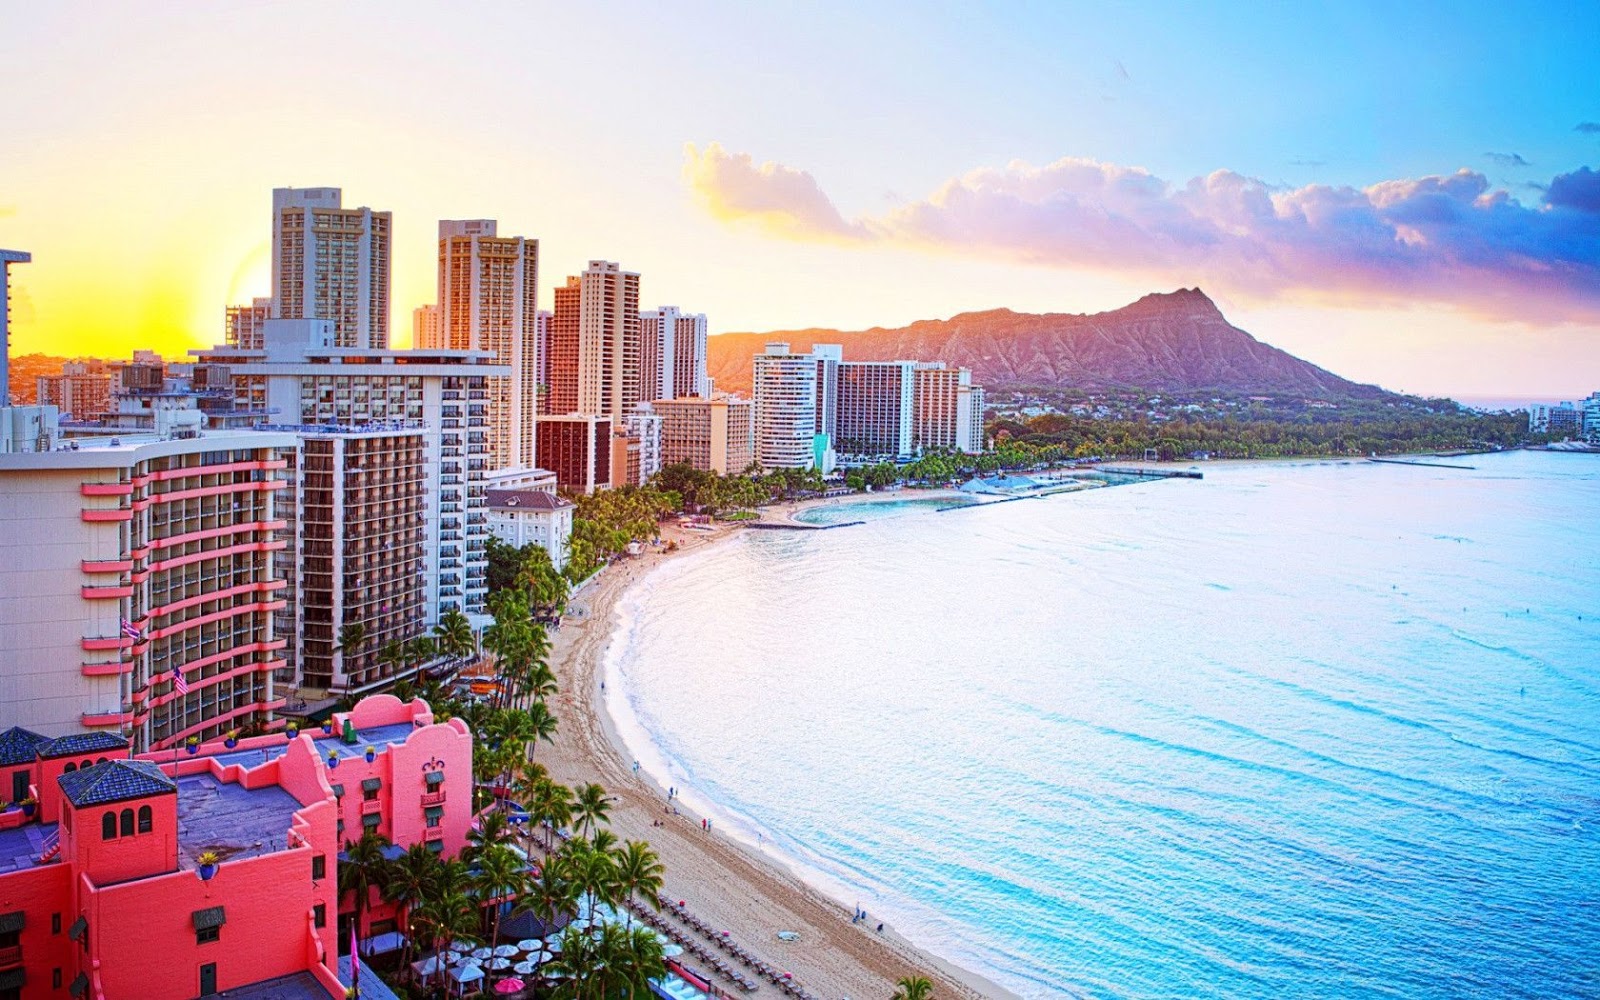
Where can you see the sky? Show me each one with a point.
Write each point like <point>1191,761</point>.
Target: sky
<point>1406,194</point>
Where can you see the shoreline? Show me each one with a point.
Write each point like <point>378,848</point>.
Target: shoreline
<point>730,884</point>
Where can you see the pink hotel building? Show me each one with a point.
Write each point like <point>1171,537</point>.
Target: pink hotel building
<point>101,891</point>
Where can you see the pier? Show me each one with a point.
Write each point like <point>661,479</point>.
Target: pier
<point>1152,473</point>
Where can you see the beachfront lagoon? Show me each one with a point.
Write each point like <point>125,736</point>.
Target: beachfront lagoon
<point>1304,729</point>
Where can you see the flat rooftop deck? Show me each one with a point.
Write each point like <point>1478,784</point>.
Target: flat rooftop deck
<point>300,986</point>
<point>20,848</point>
<point>235,822</point>
<point>377,737</point>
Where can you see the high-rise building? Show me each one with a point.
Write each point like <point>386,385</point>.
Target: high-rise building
<point>594,343</point>
<point>1591,417</point>
<point>876,410</point>
<point>299,379</point>
<point>636,447</point>
<point>129,562</point>
<point>672,353</point>
<point>713,435</point>
<point>488,301</point>
<point>541,354</point>
<point>360,500</point>
<point>949,409</point>
<point>242,324</point>
<point>1558,419</point>
<point>577,448</point>
<point>795,397</point>
<point>79,394</point>
<point>330,262</point>
<point>425,328</point>
<point>7,258</point>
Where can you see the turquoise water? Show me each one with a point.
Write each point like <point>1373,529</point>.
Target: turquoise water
<point>1295,730</point>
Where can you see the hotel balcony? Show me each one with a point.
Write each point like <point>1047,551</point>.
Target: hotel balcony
<point>372,807</point>
<point>433,798</point>
<point>11,958</point>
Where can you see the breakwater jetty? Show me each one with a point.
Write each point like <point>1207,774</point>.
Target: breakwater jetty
<point>797,526</point>
<point>1420,462</point>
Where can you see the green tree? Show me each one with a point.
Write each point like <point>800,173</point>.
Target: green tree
<point>590,808</point>
<point>639,873</point>
<point>913,988</point>
<point>362,869</point>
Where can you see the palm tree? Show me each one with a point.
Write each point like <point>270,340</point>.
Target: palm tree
<point>352,636</point>
<point>449,915</point>
<point>393,656</point>
<point>492,830</point>
<point>591,807</point>
<point>362,869</point>
<point>549,895</point>
<point>454,635</point>
<point>419,650</point>
<point>551,807</point>
<point>412,877</point>
<point>501,877</point>
<point>643,960</point>
<point>639,873</point>
<point>913,988</point>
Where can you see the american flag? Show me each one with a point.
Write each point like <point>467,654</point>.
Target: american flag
<point>131,630</point>
<point>178,683</point>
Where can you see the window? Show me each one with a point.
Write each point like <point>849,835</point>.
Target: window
<point>69,768</point>
<point>369,795</point>
<point>55,923</point>
<point>127,822</point>
<point>206,935</point>
<point>55,979</point>
<point>108,826</point>
<point>319,866</point>
<point>320,914</point>
<point>146,819</point>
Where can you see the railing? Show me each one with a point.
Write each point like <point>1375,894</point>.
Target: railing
<point>371,806</point>
<point>11,957</point>
<point>433,798</point>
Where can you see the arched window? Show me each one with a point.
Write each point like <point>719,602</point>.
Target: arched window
<point>108,826</point>
<point>70,768</point>
<point>127,822</point>
<point>146,819</point>
<point>100,760</point>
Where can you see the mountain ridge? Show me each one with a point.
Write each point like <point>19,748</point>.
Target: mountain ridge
<point>1176,342</point>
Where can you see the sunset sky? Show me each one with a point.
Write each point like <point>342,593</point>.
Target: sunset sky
<point>1403,193</point>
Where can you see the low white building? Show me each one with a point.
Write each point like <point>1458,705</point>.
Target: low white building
<point>532,517</point>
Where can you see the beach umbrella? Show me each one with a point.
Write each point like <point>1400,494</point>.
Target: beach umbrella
<point>498,963</point>
<point>429,965</point>
<point>530,944</point>
<point>509,985</point>
<point>553,946</point>
<point>481,953</point>
<point>672,950</point>
<point>524,968</point>
<point>452,958</point>
<point>460,946</point>
<point>505,950</point>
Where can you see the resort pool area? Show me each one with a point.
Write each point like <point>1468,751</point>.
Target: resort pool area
<point>677,988</point>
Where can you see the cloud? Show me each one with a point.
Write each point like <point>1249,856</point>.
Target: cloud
<point>1588,128</point>
<point>785,201</point>
<point>1448,239</point>
<point>1308,163</point>
<point>1508,159</point>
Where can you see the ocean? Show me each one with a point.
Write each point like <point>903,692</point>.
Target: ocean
<point>1298,729</point>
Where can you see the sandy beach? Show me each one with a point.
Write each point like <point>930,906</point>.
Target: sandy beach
<point>726,884</point>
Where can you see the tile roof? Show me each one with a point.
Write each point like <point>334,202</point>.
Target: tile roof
<point>66,746</point>
<point>20,746</point>
<point>115,781</point>
<point>525,500</point>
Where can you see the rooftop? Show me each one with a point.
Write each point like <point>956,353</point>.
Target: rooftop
<point>76,743</point>
<point>377,737</point>
<point>20,746</point>
<point>525,500</point>
<point>300,986</point>
<point>21,846</point>
<point>234,821</point>
<point>114,781</point>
